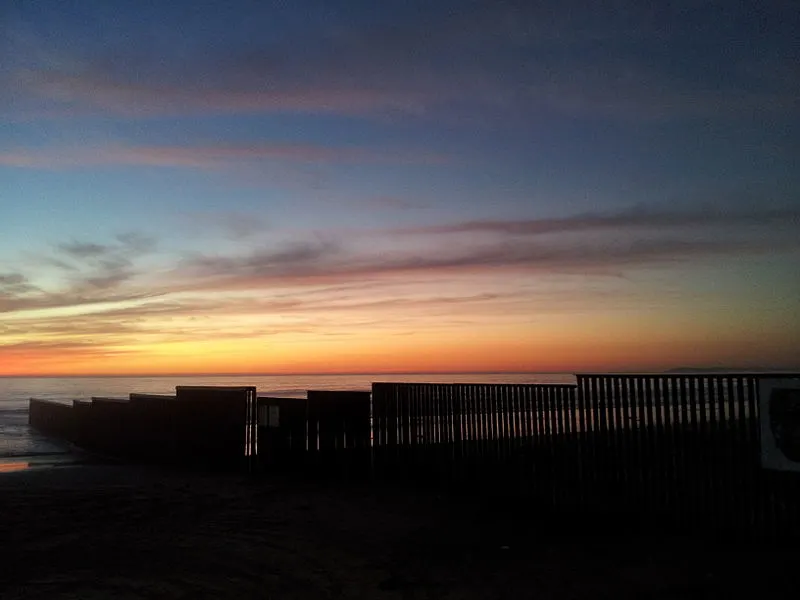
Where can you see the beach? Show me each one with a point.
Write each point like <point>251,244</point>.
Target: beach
<point>101,531</point>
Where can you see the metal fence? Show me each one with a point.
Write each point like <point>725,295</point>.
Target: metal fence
<point>208,427</point>
<point>327,433</point>
<point>682,449</point>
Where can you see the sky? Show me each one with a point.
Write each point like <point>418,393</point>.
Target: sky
<point>450,186</point>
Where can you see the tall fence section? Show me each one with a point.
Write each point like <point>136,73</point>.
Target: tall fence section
<point>483,435</point>
<point>683,449</point>
<point>720,451</point>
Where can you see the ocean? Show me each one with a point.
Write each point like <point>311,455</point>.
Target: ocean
<point>20,444</point>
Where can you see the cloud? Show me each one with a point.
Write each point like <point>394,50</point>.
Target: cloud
<point>278,262</point>
<point>305,283</point>
<point>14,284</point>
<point>503,58</point>
<point>126,245</point>
<point>632,218</point>
<point>12,279</point>
<point>232,224</point>
<point>202,157</point>
<point>83,249</point>
<point>136,242</point>
<point>31,356</point>
<point>607,244</point>
<point>391,203</point>
<point>313,312</point>
<point>98,266</point>
<point>90,273</point>
<point>460,277</point>
<point>82,293</point>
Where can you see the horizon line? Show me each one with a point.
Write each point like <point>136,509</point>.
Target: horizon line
<point>666,371</point>
<point>291,374</point>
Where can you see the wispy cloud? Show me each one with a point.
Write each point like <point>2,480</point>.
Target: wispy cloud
<point>67,351</point>
<point>232,225</point>
<point>202,157</point>
<point>610,257</point>
<point>634,237</point>
<point>391,203</point>
<point>573,89</point>
<point>90,273</point>
<point>83,249</point>
<point>335,286</point>
<point>498,57</point>
<point>103,266</point>
<point>589,243</point>
<point>13,285</point>
<point>632,218</point>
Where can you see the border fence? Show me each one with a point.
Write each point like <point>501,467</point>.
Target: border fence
<point>204,427</point>
<point>678,449</point>
<point>684,449</point>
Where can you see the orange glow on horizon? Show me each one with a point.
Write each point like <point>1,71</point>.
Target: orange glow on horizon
<point>408,354</point>
<point>550,343</point>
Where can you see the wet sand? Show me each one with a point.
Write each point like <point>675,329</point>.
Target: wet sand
<point>121,532</point>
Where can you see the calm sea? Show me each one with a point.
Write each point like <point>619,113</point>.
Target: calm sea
<point>18,442</point>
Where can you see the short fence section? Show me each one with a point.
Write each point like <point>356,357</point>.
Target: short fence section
<point>203,426</point>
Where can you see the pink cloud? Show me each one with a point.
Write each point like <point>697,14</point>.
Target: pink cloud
<point>132,99</point>
<point>199,157</point>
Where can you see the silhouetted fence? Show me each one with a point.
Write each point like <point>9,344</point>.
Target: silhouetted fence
<point>681,449</point>
<point>327,433</point>
<point>499,436</point>
<point>282,434</point>
<point>215,425</point>
<point>210,427</point>
<point>685,448</point>
<point>51,418</point>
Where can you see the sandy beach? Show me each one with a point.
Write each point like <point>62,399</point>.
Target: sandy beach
<point>131,532</point>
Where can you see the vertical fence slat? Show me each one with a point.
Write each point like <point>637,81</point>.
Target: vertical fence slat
<point>583,440</point>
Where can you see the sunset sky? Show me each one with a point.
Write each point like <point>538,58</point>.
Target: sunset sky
<point>280,187</point>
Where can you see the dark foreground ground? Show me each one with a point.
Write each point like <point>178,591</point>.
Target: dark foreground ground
<point>114,532</point>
